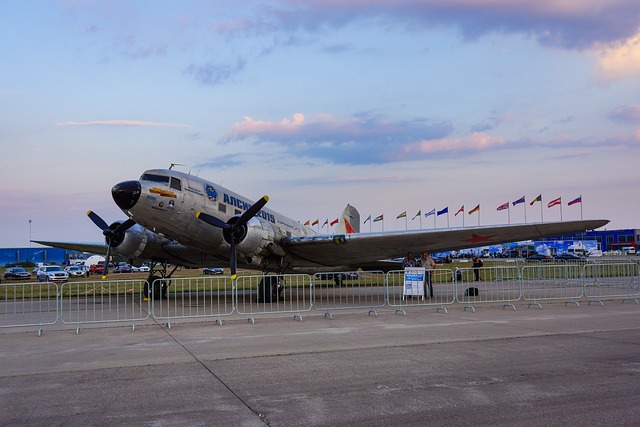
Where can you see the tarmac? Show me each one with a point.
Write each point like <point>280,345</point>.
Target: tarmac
<point>559,365</point>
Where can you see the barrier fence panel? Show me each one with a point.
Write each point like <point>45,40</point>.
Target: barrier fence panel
<point>488,285</point>
<point>348,290</point>
<point>194,297</point>
<point>28,304</point>
<point>271,293</point>
<point>612,281</point>
<point>550,281</point>
<point>103,302</point>
<point>442,292</point>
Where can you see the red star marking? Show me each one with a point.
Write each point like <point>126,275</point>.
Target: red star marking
<point>478,239</point>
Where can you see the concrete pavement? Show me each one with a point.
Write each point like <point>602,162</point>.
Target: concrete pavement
<point>559,365</point>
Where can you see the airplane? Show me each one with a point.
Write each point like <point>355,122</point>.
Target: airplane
<point>184,220</point>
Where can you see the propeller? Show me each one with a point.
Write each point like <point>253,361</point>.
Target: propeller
<point>113,236</point>
<point>234,230</point>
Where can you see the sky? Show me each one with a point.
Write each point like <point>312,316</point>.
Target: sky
<point>390,106</point>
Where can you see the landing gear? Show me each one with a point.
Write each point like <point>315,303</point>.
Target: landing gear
<point>270,289</point>
<point>159,286</point>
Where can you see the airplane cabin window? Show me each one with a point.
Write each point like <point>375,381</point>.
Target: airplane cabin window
<point>222,208</point>
<point>175,184</point>
<point>154,178</point>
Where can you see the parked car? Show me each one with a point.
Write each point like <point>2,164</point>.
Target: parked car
<point>76,271</point>
<point>537,258</point>
<point>97,268</point>
<point>142,269</point>
<point>17,273</point>
<point>123,268</point>
<point>52,273</point>
<point>570,257</point>
<point>213,271</point>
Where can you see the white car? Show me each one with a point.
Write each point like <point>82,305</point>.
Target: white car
<point>76,271</point>
<point>52,273</point>
<point>142,269</point>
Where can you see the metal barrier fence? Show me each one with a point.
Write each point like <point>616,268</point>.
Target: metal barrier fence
<point>611,281</point>
<point>29,304</point>
<point>548,282</point>
<point>488,285</point>
<point>184,298</point>
<point>78,303</point>
<point>103,302</point>
<point>349,290</point>
<point>441,292</point>
<point>270,294</point>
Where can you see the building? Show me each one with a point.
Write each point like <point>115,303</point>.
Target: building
<point>35,255</point>
<point>608,240</point>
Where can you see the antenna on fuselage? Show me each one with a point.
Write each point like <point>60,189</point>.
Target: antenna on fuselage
<point>175,164</point>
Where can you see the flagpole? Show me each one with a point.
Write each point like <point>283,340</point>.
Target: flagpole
<point>421,217</point>
<point>448,226</point>
<point>462,219</point>
<point>370,223</point>
<point>509,213</point>
<point>434,218</point>
<point>580,207</point>
<point>406,224</point>
<point>561,210</point>
<point>541,214</point>
<point>478,217</point>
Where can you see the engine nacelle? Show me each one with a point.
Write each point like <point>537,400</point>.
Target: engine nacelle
<point>258,240</point>
<point>138,242</point>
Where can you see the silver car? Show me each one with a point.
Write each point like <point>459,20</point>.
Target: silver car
<point>52,273</point>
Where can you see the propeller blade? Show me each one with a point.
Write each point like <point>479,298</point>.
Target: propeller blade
<point>106,263</point>
<point>212,220</point>
<point>252,211</point>
<point>125,226</point>
<point>97,220</point>
<point>233,259</point>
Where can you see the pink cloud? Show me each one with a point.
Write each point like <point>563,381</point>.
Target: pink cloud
<point>131,123</point>
<point>477,141</point>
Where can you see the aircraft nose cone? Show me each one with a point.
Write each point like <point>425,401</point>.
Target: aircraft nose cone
<point>126,194</point>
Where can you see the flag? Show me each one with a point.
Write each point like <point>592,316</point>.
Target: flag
<point>417,215</point>
<point>576,200</point>
<point>402,215</point>
<point>365,221</point>
<point>335,221</point>
<point>326,222</point>
<point>520,200</point>
<point>554,202</point>
<point>307,223</point>
<point>378,218</point>
<point>474,210</point>
<point>431,212</point>
<point>537,199</point>
<point>444,211</point>
<point>503,206</point>
<point>460,210</point>
<point>315,222</point>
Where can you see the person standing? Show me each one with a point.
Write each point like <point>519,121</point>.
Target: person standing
<point>429,264</point>
<point>409,261</point>
<point>477,263</point>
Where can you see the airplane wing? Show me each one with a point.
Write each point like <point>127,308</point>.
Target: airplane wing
<point>374,250</point>
<point>93,248</point>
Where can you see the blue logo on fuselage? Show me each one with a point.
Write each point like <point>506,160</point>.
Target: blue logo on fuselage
<point>241,204</point>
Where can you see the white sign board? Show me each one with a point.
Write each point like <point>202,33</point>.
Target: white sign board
<point>413,281</point>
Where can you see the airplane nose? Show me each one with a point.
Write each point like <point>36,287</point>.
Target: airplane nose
<point>126,194</point>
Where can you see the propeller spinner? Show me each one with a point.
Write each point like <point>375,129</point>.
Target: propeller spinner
<point>234,231</point>
<point>113,236</point>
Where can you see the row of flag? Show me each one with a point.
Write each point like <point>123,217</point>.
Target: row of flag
<point>504,206</point>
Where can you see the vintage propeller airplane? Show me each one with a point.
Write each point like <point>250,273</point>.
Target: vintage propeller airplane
<point>181,219</point>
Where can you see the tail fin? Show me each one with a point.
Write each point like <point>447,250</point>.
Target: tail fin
<point>349,221</point>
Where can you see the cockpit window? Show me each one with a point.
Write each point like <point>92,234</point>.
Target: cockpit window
<point>175,184</point>
<point>155,178</point>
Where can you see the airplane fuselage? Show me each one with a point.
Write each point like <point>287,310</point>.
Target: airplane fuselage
<point>167,201</point>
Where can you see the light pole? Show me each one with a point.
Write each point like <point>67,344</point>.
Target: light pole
<point>30,251</point>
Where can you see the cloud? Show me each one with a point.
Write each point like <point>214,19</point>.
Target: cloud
<point>629,114</point>
<point>213,74</point>
<point>567,24</point>
<point>477,141</point>
<point>354,140</point>
<point>620,60</point>
<point>130,123</point>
